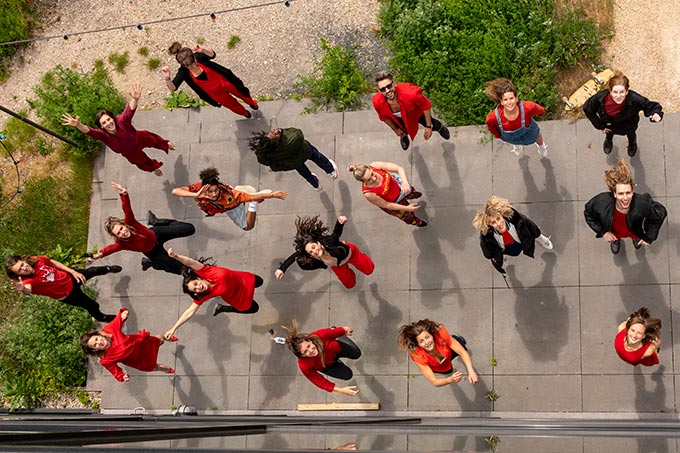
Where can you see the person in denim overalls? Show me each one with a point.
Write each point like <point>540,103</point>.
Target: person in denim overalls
<point>510,123</point>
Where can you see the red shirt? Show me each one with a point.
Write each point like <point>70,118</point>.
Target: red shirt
<point>619,226</point>
<point>411,102</point>
<point>531,109</point>
<point>507,238</point>
<point>634,357</point>
<point>611,108</point>
<point>141,240</point>
<point>48,281</point>
<point>310,366</point>
<point>442,342</point>
<point>389,190</point>
<point>125,139</point>
<point>229,199</point>
<point>235,287</point>
<point>139,351</point>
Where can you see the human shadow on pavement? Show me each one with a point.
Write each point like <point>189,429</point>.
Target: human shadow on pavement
<point>651,401</point>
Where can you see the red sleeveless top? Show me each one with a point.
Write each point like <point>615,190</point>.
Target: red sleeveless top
<point>634,357</point>
<point>389,190</point>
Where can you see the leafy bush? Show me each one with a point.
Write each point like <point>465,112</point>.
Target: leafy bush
<point>336,79</point>
<point>153,63</point>
<point>119,60</point>
<point>16,22</point>
<point>233,41</point>
<point>180,100</point>
<point>64,90</point>
<point>451,48</point>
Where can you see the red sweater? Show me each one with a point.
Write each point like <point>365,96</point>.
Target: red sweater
<point>531,109</point>
<point>412,104</point>
<point>310,366</point>
<point>48,281</point>
<point>141,240</point>
<point>634,357</point>
<point>139,351</point>
<point>235,287</point>
<point>125,139</point>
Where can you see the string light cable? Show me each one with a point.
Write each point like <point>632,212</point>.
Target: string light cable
<point>140,26</point>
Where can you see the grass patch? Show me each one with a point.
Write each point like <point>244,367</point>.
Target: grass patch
<point>143,51</point>
<point>153,63</point>
<point>16,23</point>
<point>119,60</point>
<point>200,40</point>
<point>233,41</point>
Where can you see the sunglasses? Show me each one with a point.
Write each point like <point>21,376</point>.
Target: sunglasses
<point>386,88</point>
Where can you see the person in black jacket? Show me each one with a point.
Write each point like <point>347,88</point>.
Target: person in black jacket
<point>212,82</point>
<point>316,249</point>
<point>616,111</point>
<point>504,231</point>
<point>621,213</point>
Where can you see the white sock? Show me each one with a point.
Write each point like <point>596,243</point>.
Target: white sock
<point>252,206</point>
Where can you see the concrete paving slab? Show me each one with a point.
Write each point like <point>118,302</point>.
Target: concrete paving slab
<point>670,128</point>
<point>434,442</point>
<point>640,445</point>
<point>364,121</point>
<point>284,392</point>
<point>150,392</point>
<point>206,393</point>
<point>543,444</point>
<point>369,147</point>
<point>172,125</point>
<point>637,393</point>
<point>670,232</point>
<point>538,393</point>
<point>318,123</point>
<point>592,162</point>
<point>389,391</point>
<point>668,342</point>
<point>463,396</point>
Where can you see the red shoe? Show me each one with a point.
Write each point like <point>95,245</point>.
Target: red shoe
<point>171,371</point>
<point>174,339</point>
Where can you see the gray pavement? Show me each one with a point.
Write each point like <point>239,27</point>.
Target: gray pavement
<point>551,333</point>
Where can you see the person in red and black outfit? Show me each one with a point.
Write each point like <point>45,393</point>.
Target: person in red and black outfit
<point>504,231</point>
<point>320,352</point>
<point>213,83</point>
<point>132,235</point>
<point>118,133</point>
<point>616,111</point>
<point>638,339</point>
<point>402,107</point>
<point>43,276</point>
<point>621,213</point>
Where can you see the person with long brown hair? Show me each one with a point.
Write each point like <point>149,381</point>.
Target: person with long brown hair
<point>132,235</point>
<point>638,339</point>
<point>432,348</point>
<point>320,352</point>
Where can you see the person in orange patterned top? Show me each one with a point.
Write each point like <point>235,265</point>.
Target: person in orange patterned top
<point>385,185</point>
<point>432,348</point>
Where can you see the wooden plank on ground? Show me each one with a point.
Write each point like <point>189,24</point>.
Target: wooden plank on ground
<point>338,406</point>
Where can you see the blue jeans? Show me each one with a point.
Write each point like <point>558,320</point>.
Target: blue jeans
<point>320,160</point>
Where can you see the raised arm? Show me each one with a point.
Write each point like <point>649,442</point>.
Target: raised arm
<point>184,317</point>
<point>465,357</point>
<point>135,94</point>
<point>257,196</point>
<point>427,372</point>
<point>165,70</point>
<point>184,192</point>
<point>185,260</point>
<point>68,120</point>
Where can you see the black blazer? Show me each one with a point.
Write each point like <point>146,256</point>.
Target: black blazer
<point>644,219</point>
<point>336,248</point>
<point>527,230</point>
<point>629,117</point>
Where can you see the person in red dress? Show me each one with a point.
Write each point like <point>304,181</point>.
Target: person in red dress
<point>385,185</point>
<point>121,137</point>
<point>132,235</point>
<point>112,346</point>
<point>203,282</point>
<point>639,338</point>
<point>432,348</point>
<point>213,83</point>
<point>320,352</point>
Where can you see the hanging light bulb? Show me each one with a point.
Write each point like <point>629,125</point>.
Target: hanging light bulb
<point>213,17</point>
<point>286,4</point>
<point>65,37</point>
<point>140,27</point>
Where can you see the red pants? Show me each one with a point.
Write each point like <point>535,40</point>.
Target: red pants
<point>226,98</point>
<point>138,157</point>
<point>362,262</point>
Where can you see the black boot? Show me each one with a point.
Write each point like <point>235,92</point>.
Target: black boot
<point>221,308</point>
<point>146,263</point>
<point>404,142</point>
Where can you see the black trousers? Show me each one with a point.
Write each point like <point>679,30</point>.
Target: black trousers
<point>632,136</point>
<point>78,298</point>
<point>166,230</point>
<point>339,370</point>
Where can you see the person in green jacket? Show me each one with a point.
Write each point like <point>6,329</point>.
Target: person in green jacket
<point>286,149</point>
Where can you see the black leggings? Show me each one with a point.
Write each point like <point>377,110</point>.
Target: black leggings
<point>166,230</point>
<point>337,369</point>
<point>254,307</point>
<point>78,298</point>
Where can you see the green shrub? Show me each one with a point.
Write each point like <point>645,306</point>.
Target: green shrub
<point>233,41</point>
<point>27,137</point>
<point>180,100</point>
<point>16,22</point>
<point>153,63</point>
<point>336,79</point>
<point>119,60</point>
<point>63,90</point>
<point>143,51</point>
<point>200,40</point>
<point>452,48</point>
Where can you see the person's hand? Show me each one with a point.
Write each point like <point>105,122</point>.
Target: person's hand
<point>412,207</point>
<point>68,120</point>
<point>405,187</point>
<point>95,256</point>
<point>202,191</point>
<point>122,189</point>
<point>342,219</point>
<point>655,118</point>
<point>609,237</point>
<point>18,286</point>
<point>278,274</point>
<point>171,253</point>
<point>168,335</point>
<point>455,377</point>
<point>656,341</point>
<point>80,278</point>
<point>280,194</point>
<point>136,91</point>
<point>348,330</point>
<point>198,48</point>
<point>427,133</point>
<point>351,390</point>
<point>126,378</point>
<point>124,315</point>
<point>606,130</point>
<point>473,378</point>
<point>641,242</point>
<point>166,72</point>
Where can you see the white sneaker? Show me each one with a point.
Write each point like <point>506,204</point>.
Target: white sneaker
<point>546,243</point>
<point>516,149</point>
<point>542,149</point>
<point>318,189</point>
<point>334,173</point>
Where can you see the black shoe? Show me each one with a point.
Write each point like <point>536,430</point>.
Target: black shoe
<point>220,308</point>
<point>113,269</point>
<point>615,246</point>
<point>632,149</point>
<point>421,223</point>
<point>461,340</point>
<point>254,107</point>
<point>249,115</point>
<point>405,142</point>
<point>637,244</point>
<point>607,146</point>
<point>413,195</point>
<point>146,263</point>
<point>444,132</point>
<point>151,219</point>
<point>108,318</point>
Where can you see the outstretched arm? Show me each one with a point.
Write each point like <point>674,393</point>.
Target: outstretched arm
<point>68,120</point>
<point>381,203</point>
<point>427,372</point>
<point>187,315</point>
<point>135,94</point>
<point>185,260</point>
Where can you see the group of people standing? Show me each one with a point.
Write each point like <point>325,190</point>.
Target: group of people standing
<point>503,231</point>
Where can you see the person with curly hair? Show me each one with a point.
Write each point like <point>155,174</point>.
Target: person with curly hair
<point>433,349</point>
<point>118,133</point>
<point>513,120</point>
<point>616,111</point>
<point>213,83</point>
<point>205,281</point>
<point>43,276</point>
<point>112,346</point>
<point>214,197</point>
<point>639,338</point>
<point>621,213</point>
<point>316,249</point>
<point>286,149</point>
<point>504,231</point>
<point>385,185</point>
<point>132,235</point>
<point>320,352</point>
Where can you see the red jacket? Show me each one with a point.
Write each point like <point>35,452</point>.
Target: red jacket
<point>411,102</point>
<point>142,240</point>
<point>310,366</point>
